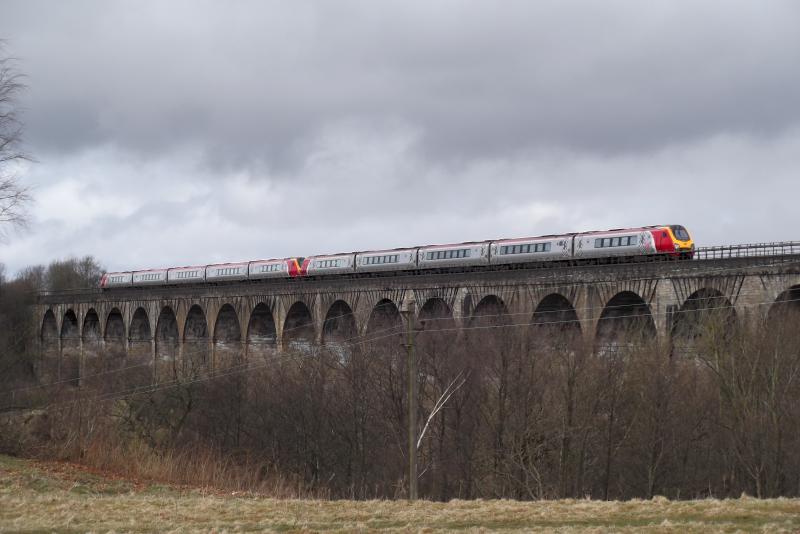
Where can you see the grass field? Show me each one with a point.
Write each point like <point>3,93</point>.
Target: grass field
<point>56,497</point>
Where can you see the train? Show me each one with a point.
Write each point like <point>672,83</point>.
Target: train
<point>669,241</point>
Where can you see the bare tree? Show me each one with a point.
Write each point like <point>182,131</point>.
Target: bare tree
<point>13,196</point>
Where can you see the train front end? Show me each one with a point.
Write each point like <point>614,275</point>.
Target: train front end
<point>674,240</point>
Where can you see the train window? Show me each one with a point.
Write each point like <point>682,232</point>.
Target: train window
<point>680,232</point>
<point>327,264</point>
<point>525,249</point>
<point>447,254</point>
<point>272,267</point>
<point>378,260</point>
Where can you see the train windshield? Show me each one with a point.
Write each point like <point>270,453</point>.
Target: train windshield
<point>680,232</point>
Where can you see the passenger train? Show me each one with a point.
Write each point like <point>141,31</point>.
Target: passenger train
<point>667,241</point>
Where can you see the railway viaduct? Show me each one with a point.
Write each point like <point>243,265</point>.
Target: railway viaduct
<point>209,324</point>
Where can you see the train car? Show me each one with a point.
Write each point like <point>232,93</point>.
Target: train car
<point>453,255</point>
<point>331,264</point>
<point>531,249</point>
<point>284,268</point>
<point>116,280</point>
<point>186,275</point>
<point>150,277</point>
<point>221,272</point>
<point>398,259</point>
<point>616,242</point>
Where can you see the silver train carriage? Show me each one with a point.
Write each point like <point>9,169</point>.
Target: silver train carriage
<point>531,249</point>
<point>398,259</point>
<point>330,264</point>
<point>270,268</point>
<point>611,243</point>
<point>219,272</point>
<point>186,275</point>
<point>151,277</point>
<point>453,255</point>
<point>116,279</point>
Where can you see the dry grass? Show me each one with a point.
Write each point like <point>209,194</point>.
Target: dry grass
<point>192,467</point>
<point>54,497</point>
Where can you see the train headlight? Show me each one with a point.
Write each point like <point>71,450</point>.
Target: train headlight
<point>676,246</point>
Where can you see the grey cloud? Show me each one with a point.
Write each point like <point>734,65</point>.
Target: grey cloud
<point>251,84</point>
<point>191,132</point>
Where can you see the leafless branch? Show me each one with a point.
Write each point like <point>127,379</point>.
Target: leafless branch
<point>14,197</point>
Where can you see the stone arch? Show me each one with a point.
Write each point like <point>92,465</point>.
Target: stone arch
<point>555,323</point>
<point>706,313</point>
<point>340,324</point>
<point>339,330</point>
<point>625,320</point>
<point>384,319</point>
<point>139,357</point>
<point>490,334</point>
<point>226,327</point>
<point>196,326</point>
<point>91,340</point>
<point>298,328</point>
<point>435,314</point>
<point>69,326</point>
<point>49,331</point>
<point>384,333</point>
<point>70,368</point>
<point>490,311</point>
<point>262,336</point>
<point>114,336</point>
<point>91,326</point>
<point>436,331</point>
<point>115,327</point>
<point>167,345</point>
<point>786,306</point>
<point>782,327</point>
<point>195,337</point>
<point>139,330</point>
<point>227,338</point>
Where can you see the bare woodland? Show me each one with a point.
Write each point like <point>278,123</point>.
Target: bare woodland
<point>530,411</point>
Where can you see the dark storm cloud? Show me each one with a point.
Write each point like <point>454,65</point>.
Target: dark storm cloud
<point>179,132</point>
<point>251,83</point>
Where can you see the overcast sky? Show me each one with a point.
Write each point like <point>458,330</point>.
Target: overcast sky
<point>174,133</point>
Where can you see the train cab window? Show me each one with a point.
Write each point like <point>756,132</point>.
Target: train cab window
<point>680,232</point>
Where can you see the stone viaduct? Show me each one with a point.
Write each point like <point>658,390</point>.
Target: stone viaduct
<point>207,323</point>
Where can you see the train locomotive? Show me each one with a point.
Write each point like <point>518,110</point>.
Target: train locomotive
<point>670,241</point>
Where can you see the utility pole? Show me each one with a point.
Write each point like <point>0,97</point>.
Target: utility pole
<point>409,306</point>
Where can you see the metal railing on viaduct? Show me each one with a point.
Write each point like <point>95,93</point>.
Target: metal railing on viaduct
<point>597,302</point>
